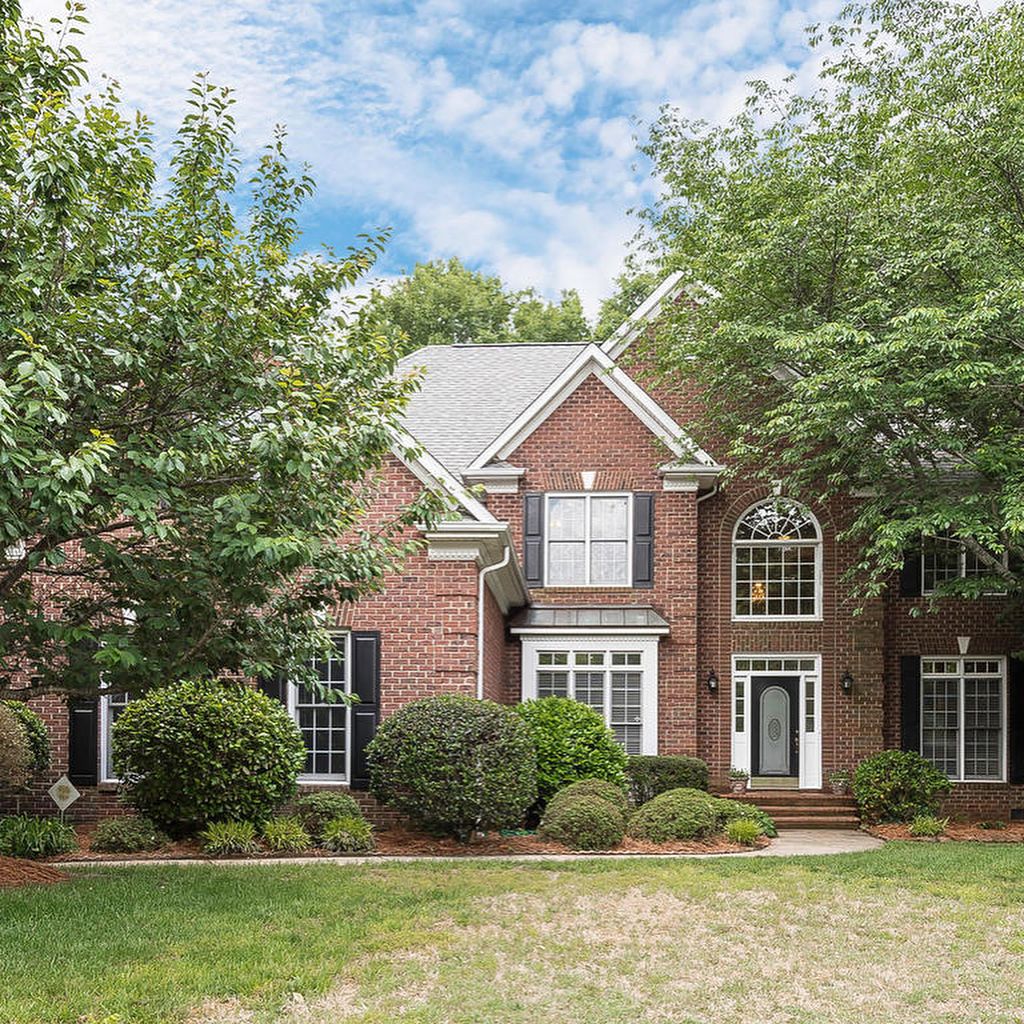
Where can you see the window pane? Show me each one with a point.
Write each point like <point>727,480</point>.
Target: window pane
<point>625,717</point>
<point>983,728</point>
<point>940,733</point>
<point>941,558</point>
<point>590,690</point>
<point>322,721</point>
<point>552,684</point>
<point>566,564</point>
<point>609,518</point>
<point>565,518</point>
<point>609,562</point>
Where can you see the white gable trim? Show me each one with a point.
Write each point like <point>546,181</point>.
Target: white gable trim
<point>637,321</point>
<point>592,361</point>
<point>430,472</point>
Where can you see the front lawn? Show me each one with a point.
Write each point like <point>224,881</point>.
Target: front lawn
<point>923,933</point>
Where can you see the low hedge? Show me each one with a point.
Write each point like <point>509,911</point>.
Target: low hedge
<point>898,785</point>
<point>650,775</point>
<point>583,823</point>
<point>316,809</point>
<point>128,834</point>
<point>677,814</point>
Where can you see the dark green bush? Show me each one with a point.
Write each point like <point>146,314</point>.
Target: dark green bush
<point>15,752</point>
<point>677,814</point>
<point>583,823</point>
<point>24,836</point>
<point>455,764</point>
<point>650,775</point>
<point>347,835</point>
<point>286,834</point>
<point>206,750</point>
<point>898,785</point>
<point>737,810</point>
<point>572,743</point>
<point>743,830</point>
<point>614,794</point>
<point>35,733</point>
<point>228,838</point>
<point>127,835</point>
<point>317,809</point>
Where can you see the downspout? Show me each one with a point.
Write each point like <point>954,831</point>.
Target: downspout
<point>710,494</point>
<point>505,559</point>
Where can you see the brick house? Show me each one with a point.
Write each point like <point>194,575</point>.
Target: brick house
<point>592,553</point>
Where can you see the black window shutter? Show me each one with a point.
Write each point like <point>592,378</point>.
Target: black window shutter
<point>1015,719</point>
<point>910,702</point>
<point>910,575</point>
<point>533,539</point>
<point>643,540</point>
<point>365,714</point>
<point>276,687</point>
<point>83,741</point>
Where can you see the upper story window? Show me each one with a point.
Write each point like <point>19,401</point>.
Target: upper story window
<point>588,540</point>
<point>946,558</point>
<point>777,562</point>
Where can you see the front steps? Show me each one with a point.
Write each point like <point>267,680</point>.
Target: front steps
<point>803,808</point>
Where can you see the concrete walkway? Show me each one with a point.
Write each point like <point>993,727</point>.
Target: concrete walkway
<point>791,843</point>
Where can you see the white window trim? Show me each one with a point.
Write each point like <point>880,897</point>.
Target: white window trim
<point>1004,688</point>
<point>628,495</point>
<point>811,743</point>
<point>648,648</point>
<point>293,690</point>
<point>818,544</point>
<point>106,772</point>
<point>962,565</point>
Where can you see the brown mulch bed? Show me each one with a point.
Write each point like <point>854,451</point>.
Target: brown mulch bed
<point>15,872</point>
<point>956,832</point>
<point>405,842</point>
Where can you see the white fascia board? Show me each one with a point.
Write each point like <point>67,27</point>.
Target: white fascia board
<point>429,471</point>
<point>640,632</point>
<point>591,361</point>
<point>624,334</point>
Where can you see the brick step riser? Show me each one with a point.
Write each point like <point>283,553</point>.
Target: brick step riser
<point>808,808</point>
<point>817,823</point>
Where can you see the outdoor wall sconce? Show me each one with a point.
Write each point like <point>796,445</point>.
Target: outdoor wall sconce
<point>846,682</point>
<point>712,681</point>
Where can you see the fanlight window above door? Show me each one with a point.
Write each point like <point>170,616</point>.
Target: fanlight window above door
<point>777,562</point>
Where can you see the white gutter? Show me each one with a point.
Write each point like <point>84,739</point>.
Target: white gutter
<point>505,559</point>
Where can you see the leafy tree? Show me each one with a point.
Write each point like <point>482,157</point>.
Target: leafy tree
<point>444,302</point>
<point>857,256</point>
<point>189,432</point>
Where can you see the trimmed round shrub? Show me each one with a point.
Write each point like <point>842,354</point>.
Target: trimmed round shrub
<point>615,795</point>
<point>649,775</point>
<point>206,750</point>
<point>35,733</point>
<point>128,834</point>
<point>25,836</point>
<point>572,743</point>
<point>316,809</point>
<point>15,752</point>
<point>743,830</point>
<point>583,823</point>
<point>737,810</point>
<point>286,834</point>
<point>229,838</point>
<point>455,764</point>
<point>347,835</point>
<point>898,785</point>
<point>677,814</point>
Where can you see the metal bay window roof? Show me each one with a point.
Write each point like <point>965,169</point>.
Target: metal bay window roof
<point>590,619</point>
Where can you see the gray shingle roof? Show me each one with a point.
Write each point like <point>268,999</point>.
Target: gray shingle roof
<point>470,393</point>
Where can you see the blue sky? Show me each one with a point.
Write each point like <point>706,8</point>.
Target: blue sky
<point>500,132</point>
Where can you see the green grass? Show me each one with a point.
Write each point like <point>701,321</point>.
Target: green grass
<point>914,932</point>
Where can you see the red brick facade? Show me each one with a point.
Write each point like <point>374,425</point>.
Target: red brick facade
<point>428,616</point>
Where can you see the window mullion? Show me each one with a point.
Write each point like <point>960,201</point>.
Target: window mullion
<point>587,513</point>
<point>961,688</point>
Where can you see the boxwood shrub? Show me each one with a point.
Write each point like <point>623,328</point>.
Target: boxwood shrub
<point>614,794</point>
<point>677,814</point>
<point>317,809</point>
<point>127,834</point>
<point>206,750</point>
<point>455,764</point>
<point>583,823</point>
<point>572,743</point>
<point>898,785</point>
<point>649,775</point>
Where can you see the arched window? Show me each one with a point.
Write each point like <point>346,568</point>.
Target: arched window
<point>777,562</point>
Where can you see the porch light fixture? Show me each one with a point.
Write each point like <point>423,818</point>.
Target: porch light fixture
<point>712,681</point>
<point>846,682</point>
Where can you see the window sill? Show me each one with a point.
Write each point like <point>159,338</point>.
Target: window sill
<point>979,782</point>
<point>307,782</point>
<point>778,618</point>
